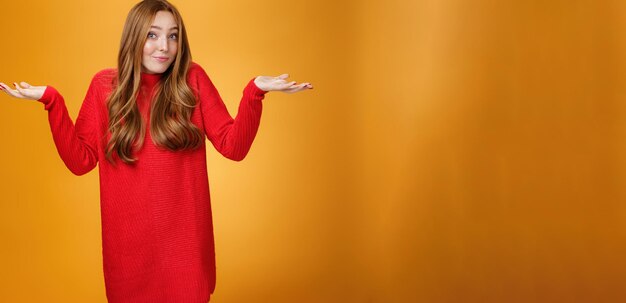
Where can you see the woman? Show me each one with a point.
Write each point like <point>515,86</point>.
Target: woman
<point>144,124</point>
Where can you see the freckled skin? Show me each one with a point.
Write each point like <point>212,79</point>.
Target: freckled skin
<point>162,41</point>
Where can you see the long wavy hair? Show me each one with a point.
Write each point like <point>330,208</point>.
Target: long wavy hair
<point>174,101</point>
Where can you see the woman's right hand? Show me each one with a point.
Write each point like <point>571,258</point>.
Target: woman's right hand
<point>24,91</point>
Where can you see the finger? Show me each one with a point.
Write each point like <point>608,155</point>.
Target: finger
<point>18,88</point>
<point>5,88</point>
<point>21,91</point>
<point>307,85</point>
<point>303,85</point>
<point>283,76</point>
<point>287,85</point>
<point>298,88</point>
<point>293,89</point>
<point>10,91</point>
<point>25,85</point>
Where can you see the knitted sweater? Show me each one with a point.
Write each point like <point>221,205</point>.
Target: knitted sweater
<point>157,231</point>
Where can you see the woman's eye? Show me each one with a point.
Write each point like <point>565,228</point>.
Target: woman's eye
<point>151,35</point>
<point>174,36</point>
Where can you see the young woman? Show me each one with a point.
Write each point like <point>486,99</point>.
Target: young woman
<point>144,124</point>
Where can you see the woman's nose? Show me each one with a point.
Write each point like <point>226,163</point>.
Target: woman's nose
<point>163,44</point>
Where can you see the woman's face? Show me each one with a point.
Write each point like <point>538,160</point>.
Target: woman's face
<point>162,44</point>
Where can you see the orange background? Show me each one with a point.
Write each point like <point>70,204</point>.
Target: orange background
<point>451,151</point>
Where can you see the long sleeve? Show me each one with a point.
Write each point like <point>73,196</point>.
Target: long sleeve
<point>231,137</point>
<point>76,144</point>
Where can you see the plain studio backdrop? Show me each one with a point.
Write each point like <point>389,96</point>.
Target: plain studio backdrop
<point>451,151</point>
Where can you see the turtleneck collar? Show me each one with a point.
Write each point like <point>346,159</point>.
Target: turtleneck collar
<point>150,79</point>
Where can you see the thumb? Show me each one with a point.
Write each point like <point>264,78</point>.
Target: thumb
<point>283,76</point>
<point>25,85</point>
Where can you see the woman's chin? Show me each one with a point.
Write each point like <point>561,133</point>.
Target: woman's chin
<point>158,69</point>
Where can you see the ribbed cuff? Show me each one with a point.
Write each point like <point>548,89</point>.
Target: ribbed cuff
<point>255,90</point>
<point>49,96</point>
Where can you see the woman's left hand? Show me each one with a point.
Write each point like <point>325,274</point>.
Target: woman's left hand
<point>280,84</point>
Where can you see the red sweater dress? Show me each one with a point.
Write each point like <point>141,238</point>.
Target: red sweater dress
<point>157,231</point>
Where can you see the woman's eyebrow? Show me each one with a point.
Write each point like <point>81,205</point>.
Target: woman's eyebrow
<point>158,27</point>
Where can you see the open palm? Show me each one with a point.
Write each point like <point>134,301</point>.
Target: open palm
<point>24,91</point>
<point>280,84</point>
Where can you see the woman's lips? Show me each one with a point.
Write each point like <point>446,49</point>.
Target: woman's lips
<point>161,59</point>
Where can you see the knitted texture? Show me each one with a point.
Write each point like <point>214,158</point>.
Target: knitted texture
<point>157,231</point>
